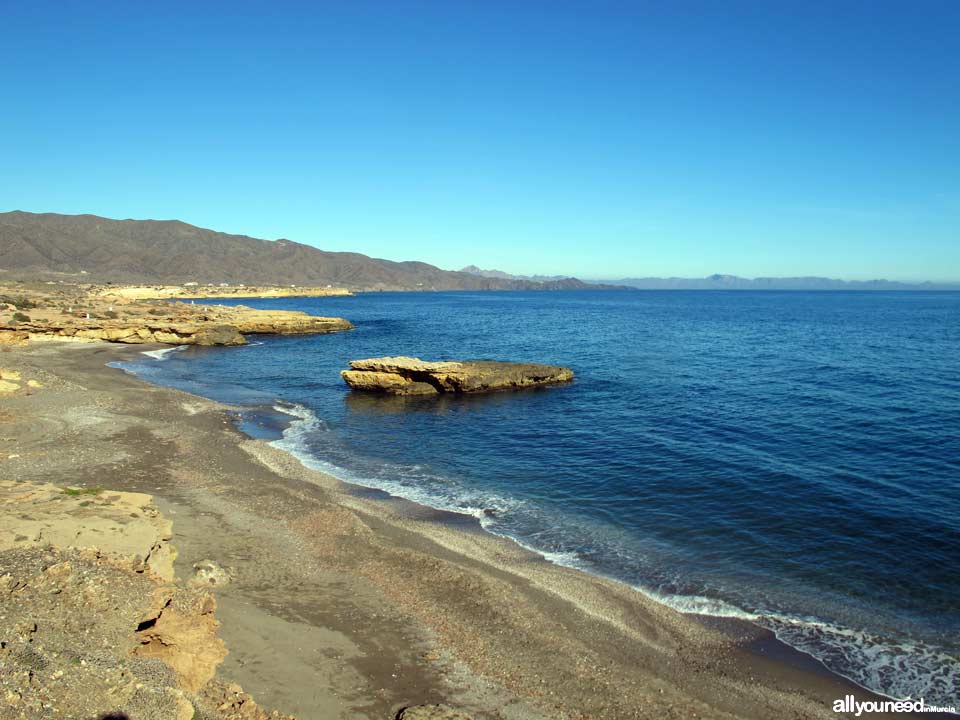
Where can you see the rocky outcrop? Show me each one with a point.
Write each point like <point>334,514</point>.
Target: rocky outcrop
<point>180,629</point>
<point>139,334</point>
<point>281,322</point>
<point>413,376</point>
<point>94,622</point>
<point>123,524</point>
<point>84,315</point>
<point>14,338</point>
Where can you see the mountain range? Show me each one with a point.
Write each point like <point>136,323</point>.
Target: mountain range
<point>87,248</point>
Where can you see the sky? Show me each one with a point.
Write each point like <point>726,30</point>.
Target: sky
<point>596,139</point>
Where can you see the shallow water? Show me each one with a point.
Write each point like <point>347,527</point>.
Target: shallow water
<point>792,458</point>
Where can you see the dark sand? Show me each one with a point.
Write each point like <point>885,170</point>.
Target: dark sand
<point>345,604</point>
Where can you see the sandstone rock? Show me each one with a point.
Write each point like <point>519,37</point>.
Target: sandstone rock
<point>13,337</point>
<point>404,365</point>
<point>181,630</point>
<point>121,523</point>
<point>7,374</point>
<point>282,322</point>
<point>219,335</point>
<point>413,376</point>
<point>386,382</point>
<point>431,712</point>
<point>90,314</point>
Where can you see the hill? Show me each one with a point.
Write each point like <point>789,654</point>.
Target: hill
<point>87,248</point>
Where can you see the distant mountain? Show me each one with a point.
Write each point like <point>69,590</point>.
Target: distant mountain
<point>733,282</point>
<point>500,274</point>
<point>88,248</point>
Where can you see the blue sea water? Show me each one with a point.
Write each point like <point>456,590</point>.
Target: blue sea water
<point>790,458</point>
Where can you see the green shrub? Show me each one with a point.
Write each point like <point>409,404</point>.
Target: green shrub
<point>21,302</point>
<point>20,317</point>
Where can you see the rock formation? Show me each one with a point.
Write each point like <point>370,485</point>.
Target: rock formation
<point>73,313</point>
<point>94,622</point>
<point>413,376</point>
<point>124,524</point>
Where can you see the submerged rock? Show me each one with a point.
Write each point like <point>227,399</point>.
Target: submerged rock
<point>413,376</point>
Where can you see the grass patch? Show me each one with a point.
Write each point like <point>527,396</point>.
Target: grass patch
<point>76,492</point>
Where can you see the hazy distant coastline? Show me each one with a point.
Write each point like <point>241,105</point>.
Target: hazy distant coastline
<point>733,282</point>
<point>730,282</point>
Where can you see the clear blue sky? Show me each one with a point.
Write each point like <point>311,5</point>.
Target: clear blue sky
<point>599,139</point>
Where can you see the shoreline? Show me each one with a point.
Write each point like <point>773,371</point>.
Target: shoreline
<point>631,655</point>
<point>753,637</point>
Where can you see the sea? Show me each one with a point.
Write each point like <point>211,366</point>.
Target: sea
<point>788,458</point>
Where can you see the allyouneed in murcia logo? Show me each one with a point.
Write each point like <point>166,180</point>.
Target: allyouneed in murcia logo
<point>849,704</point>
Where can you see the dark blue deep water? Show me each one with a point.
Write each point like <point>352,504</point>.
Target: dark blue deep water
<point>792,458</point>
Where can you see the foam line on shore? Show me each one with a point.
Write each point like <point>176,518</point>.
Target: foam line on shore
<point>163,353</point>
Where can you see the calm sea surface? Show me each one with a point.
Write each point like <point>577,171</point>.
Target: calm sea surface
<point>791,458</point>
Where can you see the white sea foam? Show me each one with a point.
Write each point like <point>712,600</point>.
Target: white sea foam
<point>894,669</point>
<point>410,483</point>
<point>163,353</point>
<point>891,668</point>
<point>701,605</point>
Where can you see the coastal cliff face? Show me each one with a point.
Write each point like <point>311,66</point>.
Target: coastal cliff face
<point>83,314</point>
<point>413,376</point>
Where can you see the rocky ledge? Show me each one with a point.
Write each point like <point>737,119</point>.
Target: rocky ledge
<point>78,314</point>
<point>413,376</point>
<point>95,624</point>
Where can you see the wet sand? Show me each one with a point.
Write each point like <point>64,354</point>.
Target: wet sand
<point>349,604</point>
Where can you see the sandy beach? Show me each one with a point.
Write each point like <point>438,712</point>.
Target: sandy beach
<point>346,603</point>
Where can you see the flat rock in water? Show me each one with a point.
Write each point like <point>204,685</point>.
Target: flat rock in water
<point>413,376</point>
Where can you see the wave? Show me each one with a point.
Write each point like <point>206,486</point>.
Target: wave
<point>412,482</point>
<point>163,353</point>
<point>893,668</point>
